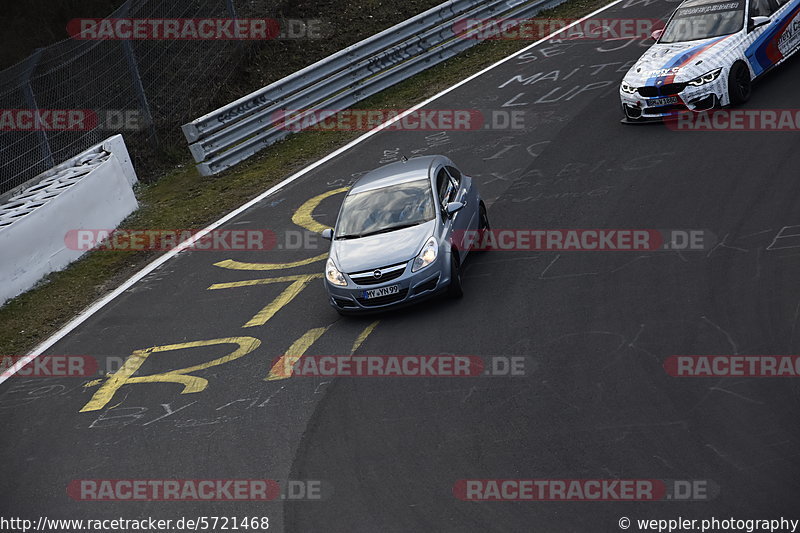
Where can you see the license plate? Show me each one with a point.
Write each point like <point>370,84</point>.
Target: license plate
<point>658,102</point>
<point>383,291</point>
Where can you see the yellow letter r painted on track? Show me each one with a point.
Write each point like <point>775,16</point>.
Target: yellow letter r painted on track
<point>191,384</point>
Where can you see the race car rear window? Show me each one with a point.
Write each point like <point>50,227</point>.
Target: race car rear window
<point>693,21</point>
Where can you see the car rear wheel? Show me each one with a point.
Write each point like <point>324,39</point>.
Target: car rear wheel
<point>484,218</point>
<point>483,226</point>
<point>739,84</point>
<point>455,290</point>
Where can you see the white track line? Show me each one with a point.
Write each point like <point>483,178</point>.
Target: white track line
<point>91,310</point>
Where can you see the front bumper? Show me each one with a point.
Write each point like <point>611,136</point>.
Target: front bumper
<point>638,109</point>
<point>413,287</point>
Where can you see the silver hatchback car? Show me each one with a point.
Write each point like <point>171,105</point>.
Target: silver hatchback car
<point>402,235</point>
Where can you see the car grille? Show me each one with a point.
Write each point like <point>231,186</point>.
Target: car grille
<point>387,274</point>
<point>664,109</point>
<point>383,300</point>
<point>670,89</point>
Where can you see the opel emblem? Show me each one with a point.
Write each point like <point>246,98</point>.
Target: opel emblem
<point>377,274</point>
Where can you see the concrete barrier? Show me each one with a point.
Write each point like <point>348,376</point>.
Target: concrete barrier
<point>92,190</point>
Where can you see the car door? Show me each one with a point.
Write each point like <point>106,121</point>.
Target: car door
<point>468,196</point>
<point>466,218</point>
<point>772,42</point>
<point>445,192</point>
<point>442,190</point>
<point>786,36</point>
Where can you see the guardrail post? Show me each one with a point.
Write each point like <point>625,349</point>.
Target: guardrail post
<point>30,101</point>
<point>138,86</point>
<point>232,14</point>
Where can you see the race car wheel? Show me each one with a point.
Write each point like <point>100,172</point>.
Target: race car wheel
<point>484,218</point>
<point>483,227</point>
<point>739,84</point>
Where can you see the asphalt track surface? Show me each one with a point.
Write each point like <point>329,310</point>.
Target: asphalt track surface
<point>594,329</point>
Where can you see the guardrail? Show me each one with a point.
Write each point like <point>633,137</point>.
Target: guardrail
<point>231,134</point>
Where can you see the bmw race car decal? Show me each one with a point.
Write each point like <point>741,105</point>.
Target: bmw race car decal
<point>674,66</point>
<point>775,44</point>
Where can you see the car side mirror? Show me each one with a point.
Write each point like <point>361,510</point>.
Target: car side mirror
<point>327,234</point>
<point>453,207</point>
<point>757,22</point>
<point>656,35</point>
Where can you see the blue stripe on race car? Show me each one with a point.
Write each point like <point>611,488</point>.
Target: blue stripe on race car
<point>679,61</point>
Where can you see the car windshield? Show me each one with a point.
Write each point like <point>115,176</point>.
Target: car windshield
<point>386,209</point>
<point>702,20</point>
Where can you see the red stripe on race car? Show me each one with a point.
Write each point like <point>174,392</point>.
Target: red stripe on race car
<point>772,51</point>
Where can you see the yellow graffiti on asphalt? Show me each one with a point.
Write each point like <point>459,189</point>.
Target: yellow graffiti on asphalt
<point>289,293</point>
<point>191,384</point>
<point>237,265</point>
<point>363,336</point>
<point>304,216</point>
<point>262,281</point>
<point>282,368</point>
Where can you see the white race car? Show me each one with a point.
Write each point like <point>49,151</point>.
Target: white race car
<point>708,55</point>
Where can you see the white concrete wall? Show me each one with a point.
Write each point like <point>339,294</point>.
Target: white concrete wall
<point>93,190</point>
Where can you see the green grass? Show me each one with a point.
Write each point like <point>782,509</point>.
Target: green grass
<point>184,199</point>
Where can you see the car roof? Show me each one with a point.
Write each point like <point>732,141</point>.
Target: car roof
<point>416,168</point>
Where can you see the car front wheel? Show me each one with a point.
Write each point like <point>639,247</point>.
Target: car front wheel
<point>455,290</point>
<point>739,84</point>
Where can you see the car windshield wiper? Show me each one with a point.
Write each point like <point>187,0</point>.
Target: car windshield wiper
<point>377,232</point>
<point>390,228</point>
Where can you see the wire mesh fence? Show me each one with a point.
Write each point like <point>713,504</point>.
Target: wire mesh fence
<point>142,88</point>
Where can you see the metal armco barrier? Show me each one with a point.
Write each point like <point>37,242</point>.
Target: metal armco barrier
<point>242,128</point>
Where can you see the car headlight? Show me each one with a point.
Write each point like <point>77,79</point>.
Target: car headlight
<point>333,275</point>
<point>627,88</point>
<point>427,255</point>
<point>708,77</point>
